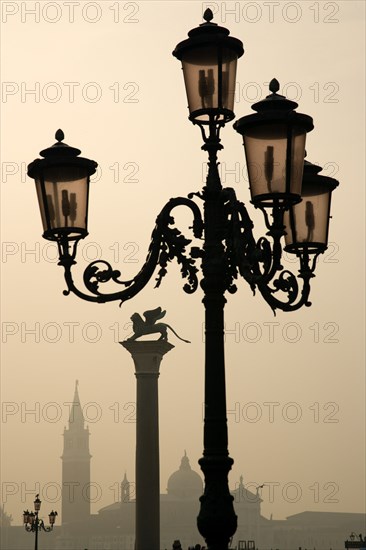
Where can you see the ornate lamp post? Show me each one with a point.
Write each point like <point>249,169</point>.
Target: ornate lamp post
<point>274,140</point>
<point>33,524</point>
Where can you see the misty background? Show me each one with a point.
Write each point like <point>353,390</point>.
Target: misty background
<point>104,73</point>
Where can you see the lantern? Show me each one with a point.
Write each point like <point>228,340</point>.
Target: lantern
<point>274,143</point>
<point>209,58</point>
<point>307,223</point>
<point>62,184</point>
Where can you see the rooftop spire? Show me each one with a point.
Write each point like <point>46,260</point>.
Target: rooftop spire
<point>76,419</point>
<point>125,490</point>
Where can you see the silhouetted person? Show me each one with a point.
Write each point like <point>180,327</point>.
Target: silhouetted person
<point>177,545</point>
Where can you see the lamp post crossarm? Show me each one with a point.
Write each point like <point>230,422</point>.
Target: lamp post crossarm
<point>166,244</point>
<point>259,262</point>
<point>37,525</point>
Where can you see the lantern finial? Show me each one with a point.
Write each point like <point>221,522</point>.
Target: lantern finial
<point>59,135</point>
<point>274,86</point>
<point>208,15</point>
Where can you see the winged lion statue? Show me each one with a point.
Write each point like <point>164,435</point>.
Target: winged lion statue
<point>150,326</point>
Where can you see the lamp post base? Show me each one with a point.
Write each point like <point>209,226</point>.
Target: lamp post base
<point>217,521</point>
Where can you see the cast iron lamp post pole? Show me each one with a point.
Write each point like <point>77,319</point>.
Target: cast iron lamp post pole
<point>33,524</point>
<point>217,520</point>
<point>293,197</point>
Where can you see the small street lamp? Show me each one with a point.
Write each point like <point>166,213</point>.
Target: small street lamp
<point>33,524</point>
<point>295,202</point>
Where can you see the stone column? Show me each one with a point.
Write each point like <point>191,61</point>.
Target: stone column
<point>147,356</point>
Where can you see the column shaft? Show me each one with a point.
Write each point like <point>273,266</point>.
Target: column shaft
<point>147,357</point>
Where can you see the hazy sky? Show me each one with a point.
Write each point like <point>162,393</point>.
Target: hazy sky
<point>104,73</point>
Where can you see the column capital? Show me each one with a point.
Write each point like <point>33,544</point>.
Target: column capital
<point>147,354</point>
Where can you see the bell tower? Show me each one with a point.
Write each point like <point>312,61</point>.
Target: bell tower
<point>76,466</point>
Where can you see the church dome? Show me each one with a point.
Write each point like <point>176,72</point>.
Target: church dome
<point>185,483</point>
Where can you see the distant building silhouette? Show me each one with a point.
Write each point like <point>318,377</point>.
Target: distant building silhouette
<point>179,507</point>
<point>76,466</point>
<point>113,527</point>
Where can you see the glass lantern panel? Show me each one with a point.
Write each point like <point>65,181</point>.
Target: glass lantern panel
<point>297,160</point>
<point>310,217</point>
<point>66,190</point>
<point>266,151</point>
<point>201,77</point>
<point>40,202</point>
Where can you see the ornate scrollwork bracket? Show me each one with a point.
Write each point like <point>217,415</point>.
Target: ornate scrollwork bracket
<point>167,243</point>
<point>257,262</point>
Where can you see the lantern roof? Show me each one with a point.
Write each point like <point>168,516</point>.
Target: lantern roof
<point>60,154</point>
<point>274,100</point>
<point>208,33</point>
<point>310,168</point>
<point>311,176</point>
<point>274,108</point>
<point>60,148</point>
